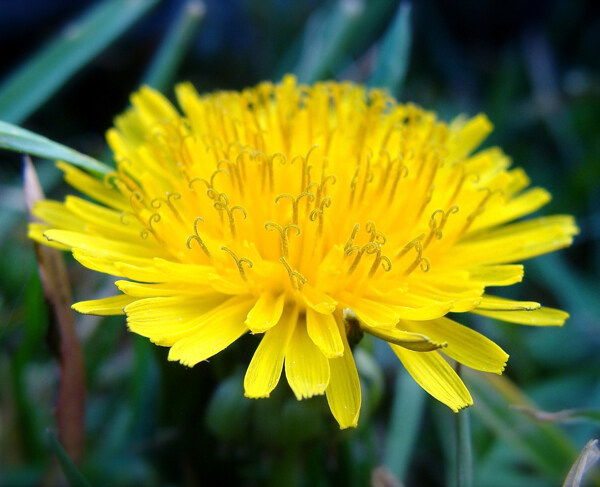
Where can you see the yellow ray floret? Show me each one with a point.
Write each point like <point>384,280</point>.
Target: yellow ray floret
<point>303,213</point>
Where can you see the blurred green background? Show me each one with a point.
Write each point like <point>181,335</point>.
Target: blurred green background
<point>68,68</point>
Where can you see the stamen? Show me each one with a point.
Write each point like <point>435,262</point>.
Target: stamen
<point>410,245</point>
<point>295,202</point>
<point>353,183</point>
<point>350,241</point>
<point>157,203</point>
<point>421,261</point>
<point>154,218</point>
<point>369,176</point>
<point>295,277</point>
<point>223,205</point>
<point>401,170</point>
<point>214,174</point>
<point>480,208</point>
<point>317,213</point>
<point>379,237</point>
<point>306,168</point>
<point>197,238</point>
<point>321,187</point>
<point>384,261</point>
<point>369,248</point>
<point>212,193</point>
<point>124,217</point>
<point>139,202</point>
<point>283,233</point>
<point>239,262</point>
<point>235,173</point>
<point>437,227</point>
<point>463,178</point>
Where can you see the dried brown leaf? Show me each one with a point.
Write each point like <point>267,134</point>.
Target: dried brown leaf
<point>70,404</point>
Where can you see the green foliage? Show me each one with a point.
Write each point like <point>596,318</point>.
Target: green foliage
<point>50,68</point>
<point>20,140</point>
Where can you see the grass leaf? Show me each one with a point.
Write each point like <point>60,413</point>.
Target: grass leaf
<point>20,140</point>
<point>181,32</point>
<point>394,52</point>
<point>74,476</point>
<point>405,421</point>
<point>77,44</point>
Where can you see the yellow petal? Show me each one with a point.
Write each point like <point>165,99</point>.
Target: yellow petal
<point>57,215</point>
<point>152,106</point>
<point>538,317</point>
<point>412,341</point>
<point>265,313</point>
<point>306,368</point>
<point>265,368</point>
<point>111,265</point>
<point>373,313</point>
<point>497,275</point>
<point>515,242</point>
<point>144,290</point>
<point>436,376</point>
<point>93,187</point>
<point>214,334</point>
<point>100,247</point>
<point>324,332</point>
<point>524,204</point>
<point>495,303</point>
<point>318,300</point>
<point>469,136</point>
<point>113,305</point>
<point>464,344</point>
<point>110,221</point>
<point>343,391</point>
<point>167,319</point>
<point>35,231</point>
<point>430,312</point>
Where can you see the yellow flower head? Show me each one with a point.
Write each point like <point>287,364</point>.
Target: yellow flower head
<point>305,213</point>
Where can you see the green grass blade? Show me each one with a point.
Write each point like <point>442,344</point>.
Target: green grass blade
<point>31,85</point>
<point>407,410</point>
<point>394,53</point>
<point>181,32</point>
<point>326,37</point>
<point>74,476</point>
<point>541,445</point>
<point>20,140</point>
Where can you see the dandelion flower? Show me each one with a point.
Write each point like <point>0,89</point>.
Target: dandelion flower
<point>306,214</point>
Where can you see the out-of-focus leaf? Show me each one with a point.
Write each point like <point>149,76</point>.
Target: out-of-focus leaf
<point>327,33</point>
<point>394,52</point>
<point>565,416</point>
<point>163,69</point>
<point>228,409</point>
<point>405,421</point>
<point>146,387</point>
<point>464,461</point>
<point>586,460</point>
<point>76,45</point>
<point>372,376</point>
<point>53,274</point>
<point>74,476</point>
<point>20,140</point>
<point>541,445</point>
